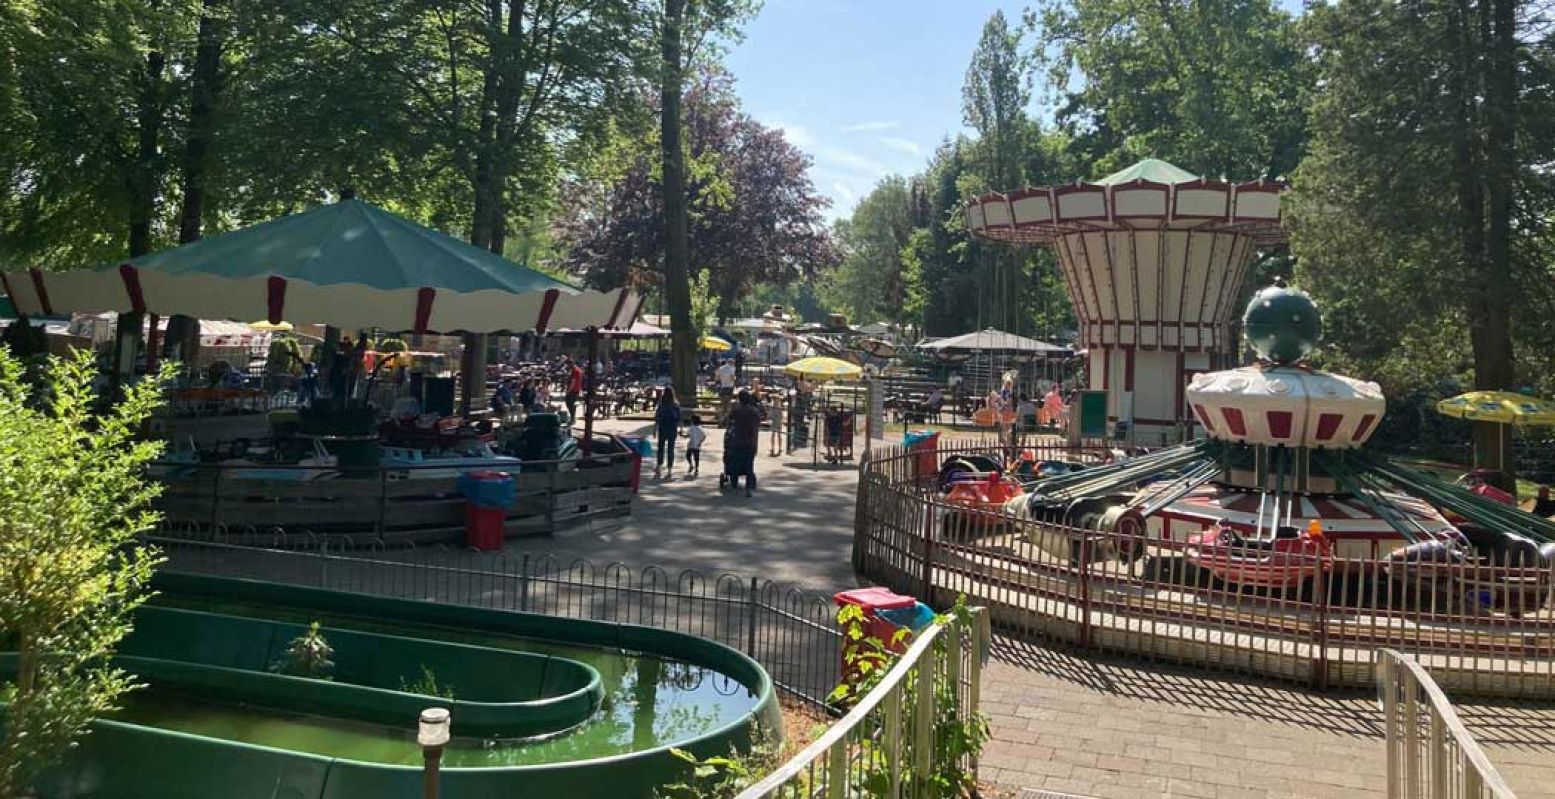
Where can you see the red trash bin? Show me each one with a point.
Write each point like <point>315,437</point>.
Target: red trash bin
<point>483,527</point>
<point>487,495</point>
<point>926,449</point>
<point>873,600</point>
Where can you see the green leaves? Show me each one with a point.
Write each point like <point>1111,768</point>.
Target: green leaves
<point>72,499</point>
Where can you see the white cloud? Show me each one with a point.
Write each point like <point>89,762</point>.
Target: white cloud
<point>843,192</point>
<point>797,135</point>
<point>872,126</point>
<point>904,145</point>
<point>850,161</point>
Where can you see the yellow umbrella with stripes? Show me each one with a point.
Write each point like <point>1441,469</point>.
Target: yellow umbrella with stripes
<point>1504,407</point>
<point>821,368</point>
<point>716,344</point>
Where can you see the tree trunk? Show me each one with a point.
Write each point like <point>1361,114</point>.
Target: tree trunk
<point>143,179</point>
<point>205,84</point>
<point>484,180</point>
<point>677,243</point>
<point>1490,305</point>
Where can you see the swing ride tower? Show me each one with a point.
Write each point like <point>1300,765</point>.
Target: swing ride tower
<point>1154,259</point>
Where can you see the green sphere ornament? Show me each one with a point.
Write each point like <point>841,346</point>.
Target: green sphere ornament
<point>1282,324</point>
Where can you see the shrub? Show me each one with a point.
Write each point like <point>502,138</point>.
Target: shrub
<point>73,497</point>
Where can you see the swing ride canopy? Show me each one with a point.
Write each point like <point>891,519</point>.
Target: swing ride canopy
<point>990,340</point>
<point>349,264</point>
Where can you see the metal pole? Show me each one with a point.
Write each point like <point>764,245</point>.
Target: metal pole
<point>589,381</point>
<point>432,761</point>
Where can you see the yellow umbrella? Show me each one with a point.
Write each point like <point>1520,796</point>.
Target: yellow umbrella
<point>824,369</point>
<point>264,326</point>
<point>1504,407</point>
<point>716,344</point>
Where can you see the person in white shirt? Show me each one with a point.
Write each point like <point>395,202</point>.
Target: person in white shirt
<point>725,377</point>
<point>694,438</point>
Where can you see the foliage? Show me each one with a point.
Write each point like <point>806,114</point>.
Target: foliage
<point>957,738</point>
<point>755,217</point>
<point>427,685</point>
<point>1427,249</point>
<point>724,777</point>
<point>307,655</point>
<point>1213,86</point>
<point>72,499</point>
<point>871,282</point>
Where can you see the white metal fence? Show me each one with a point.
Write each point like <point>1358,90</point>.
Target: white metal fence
<point>902,738</point>
<point>1431,755</point>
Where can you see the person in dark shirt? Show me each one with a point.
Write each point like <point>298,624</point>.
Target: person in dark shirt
<point>666,421</point>
<point>744,440</point>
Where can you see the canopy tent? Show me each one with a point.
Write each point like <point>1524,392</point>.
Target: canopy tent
<point>990,340</point>
<point>349,264</point>
<point>639,329</point>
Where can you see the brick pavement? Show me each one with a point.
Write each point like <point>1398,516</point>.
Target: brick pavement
<point>1081,725</point>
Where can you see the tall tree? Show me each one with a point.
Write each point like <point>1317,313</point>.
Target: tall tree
<point>1214,86</point>
<point>994,99</point>
<point>753,216</point>
<point>1405,252</point>
<point>672,192</point>
<point>204,86</point>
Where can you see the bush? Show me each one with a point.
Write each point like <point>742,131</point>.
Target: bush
<point>73,497</point>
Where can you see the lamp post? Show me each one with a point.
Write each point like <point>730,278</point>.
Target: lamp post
<point>432,734</point>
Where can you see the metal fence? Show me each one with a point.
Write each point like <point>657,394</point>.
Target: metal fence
<point>1431,755</point>
<point>899,735</point>
<point>1480,627</point>
<point>792,633</point>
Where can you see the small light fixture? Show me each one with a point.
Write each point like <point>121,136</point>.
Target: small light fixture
<point>433,729</point>
<point>432,733</point>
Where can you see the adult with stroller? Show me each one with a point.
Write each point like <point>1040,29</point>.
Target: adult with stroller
<point>666,422</point>
<point>743,441</point>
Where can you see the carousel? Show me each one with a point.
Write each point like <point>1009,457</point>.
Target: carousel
<point>1282,484</point>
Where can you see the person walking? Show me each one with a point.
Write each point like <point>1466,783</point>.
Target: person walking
<point>666,422</point>
<point>574,387</point>
<point>695,435</point>
<point>744,441</point>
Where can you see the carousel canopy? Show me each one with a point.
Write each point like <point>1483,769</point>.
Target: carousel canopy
<point>349,264</point>
<point>991,340</point>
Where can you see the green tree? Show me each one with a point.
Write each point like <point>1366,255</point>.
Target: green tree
<point>72,500</point>
<point>1406,206</point>
<point>1214,86</point>
<point>871,283</point>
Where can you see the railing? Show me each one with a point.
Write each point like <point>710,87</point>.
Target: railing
<point>1431,755</point>
<point>901,733</point>
<point>790,632</point>
<point>1482,627</point>
<point>246,503</point>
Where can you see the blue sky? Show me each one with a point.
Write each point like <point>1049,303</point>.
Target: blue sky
<point>866,87</point>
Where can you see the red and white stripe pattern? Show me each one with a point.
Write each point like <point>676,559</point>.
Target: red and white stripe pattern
<point>350,306</point>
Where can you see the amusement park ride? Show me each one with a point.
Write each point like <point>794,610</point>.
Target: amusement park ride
<point>1154,259</point>
<point>1281,485</point>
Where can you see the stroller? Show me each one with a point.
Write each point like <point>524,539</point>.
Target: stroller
<point>726,476</point>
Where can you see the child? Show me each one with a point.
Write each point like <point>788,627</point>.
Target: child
<point>694,438</point>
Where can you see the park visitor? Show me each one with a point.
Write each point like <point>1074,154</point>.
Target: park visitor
<point>725,377</point>
<point>574,386</point>
<point>744,440</point>
<point>695,435</point>
<point>666,421</point>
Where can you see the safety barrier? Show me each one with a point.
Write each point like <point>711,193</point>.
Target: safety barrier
<point>1480,627</point>
<point>1431,755</point>
<point>421,503</point>
<point>792,633</point>
<point>901,738</point>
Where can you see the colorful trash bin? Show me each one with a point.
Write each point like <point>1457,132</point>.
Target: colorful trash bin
<point>885,612</point>
<point>487,497</point>
<point>642,449</point>
<point>925,446</point>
